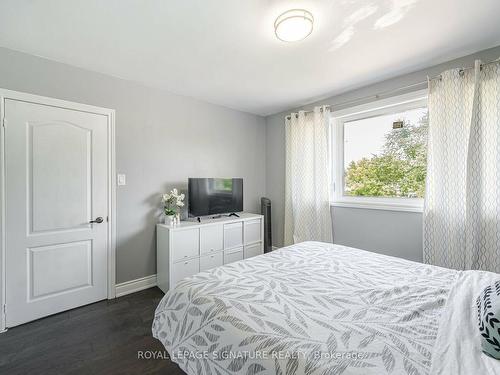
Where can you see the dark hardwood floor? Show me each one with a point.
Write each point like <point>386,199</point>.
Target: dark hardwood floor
<point>102,338</point>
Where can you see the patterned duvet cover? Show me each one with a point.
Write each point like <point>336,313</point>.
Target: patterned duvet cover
<point>310,308</point>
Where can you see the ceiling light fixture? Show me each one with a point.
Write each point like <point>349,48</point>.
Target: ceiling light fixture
<point>294,25</point>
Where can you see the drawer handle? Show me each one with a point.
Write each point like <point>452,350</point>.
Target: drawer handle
<point>211,256</point>
<point>186,262</point>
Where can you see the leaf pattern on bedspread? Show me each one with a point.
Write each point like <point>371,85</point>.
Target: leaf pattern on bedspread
<point>310,308</point>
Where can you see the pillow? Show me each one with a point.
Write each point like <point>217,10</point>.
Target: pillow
<point>488,313</point>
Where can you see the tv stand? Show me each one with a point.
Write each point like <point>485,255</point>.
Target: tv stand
<point>189,247</point>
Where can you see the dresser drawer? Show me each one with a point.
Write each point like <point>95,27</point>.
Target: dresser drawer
<point>211,261</point>
<point>233,255</point>
<point>253,231</point>
<point>183,269</point>
<point>252,250</point>
<point>233,235</point>
<point>185,244</point>
<point>211,238</point>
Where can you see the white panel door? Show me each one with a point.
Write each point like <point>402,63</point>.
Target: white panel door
<point>55,184</point>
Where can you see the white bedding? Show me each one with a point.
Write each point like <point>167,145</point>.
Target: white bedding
<point>317,308</point>
<point>457,349</point>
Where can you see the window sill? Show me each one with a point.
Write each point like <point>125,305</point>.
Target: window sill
<point>387,206</point>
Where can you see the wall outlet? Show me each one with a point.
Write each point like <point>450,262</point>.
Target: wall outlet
<point>121,179</point>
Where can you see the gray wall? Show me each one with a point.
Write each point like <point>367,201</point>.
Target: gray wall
<point>390,232</point>
<point>387,232</point>
<point>161,139</point>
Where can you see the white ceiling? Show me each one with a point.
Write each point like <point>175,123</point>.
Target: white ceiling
<point>225,51</point>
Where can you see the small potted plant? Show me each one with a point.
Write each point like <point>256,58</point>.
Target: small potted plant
<point>172,202</point>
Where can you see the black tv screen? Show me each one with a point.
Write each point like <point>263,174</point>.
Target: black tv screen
<point>210,196</point>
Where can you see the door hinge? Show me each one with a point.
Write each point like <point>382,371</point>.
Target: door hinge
<point>3,122</point>
<point>5,309</point>
<point>107,219</point>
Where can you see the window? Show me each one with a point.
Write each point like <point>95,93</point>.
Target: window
<point>379,154</point>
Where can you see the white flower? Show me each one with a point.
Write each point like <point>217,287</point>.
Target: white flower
<point>173,199</point>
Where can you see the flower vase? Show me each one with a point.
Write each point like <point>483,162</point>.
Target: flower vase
<point>177,218</point>
<point>169,219</point>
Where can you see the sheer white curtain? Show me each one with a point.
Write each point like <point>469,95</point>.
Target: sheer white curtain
<point>307,207</point>
<point>462,204</point>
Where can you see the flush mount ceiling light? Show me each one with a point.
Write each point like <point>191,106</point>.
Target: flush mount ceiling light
<point>294,25</point>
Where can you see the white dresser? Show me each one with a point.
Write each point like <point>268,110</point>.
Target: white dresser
<point>191,247</point>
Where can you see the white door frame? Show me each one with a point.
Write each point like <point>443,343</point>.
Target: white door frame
<point>111,241</point>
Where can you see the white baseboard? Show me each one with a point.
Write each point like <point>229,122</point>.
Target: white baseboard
<point>136,285</point>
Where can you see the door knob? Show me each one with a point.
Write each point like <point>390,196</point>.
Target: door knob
<point>98,220</point>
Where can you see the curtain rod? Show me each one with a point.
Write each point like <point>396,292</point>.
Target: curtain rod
<point>392,91</point>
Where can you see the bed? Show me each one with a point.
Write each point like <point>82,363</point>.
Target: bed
<point>317,308</point>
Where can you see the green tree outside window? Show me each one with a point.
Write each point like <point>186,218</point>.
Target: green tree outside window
<point>398,171</point>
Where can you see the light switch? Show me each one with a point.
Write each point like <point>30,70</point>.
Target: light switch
<point>122,179</point>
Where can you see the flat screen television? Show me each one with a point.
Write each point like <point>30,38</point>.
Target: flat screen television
<point>213,196</point>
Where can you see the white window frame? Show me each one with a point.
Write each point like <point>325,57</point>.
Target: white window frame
<point>413,100</point>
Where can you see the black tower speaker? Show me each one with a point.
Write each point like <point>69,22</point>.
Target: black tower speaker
<point>265,209</point>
